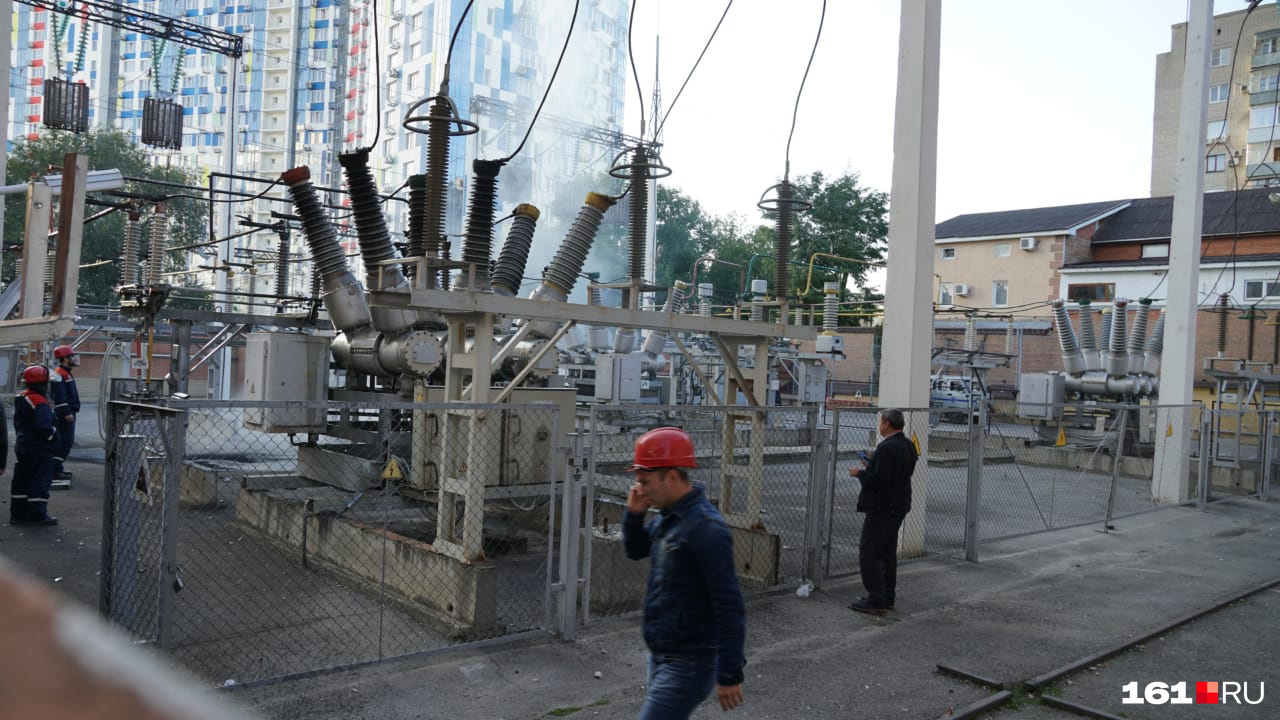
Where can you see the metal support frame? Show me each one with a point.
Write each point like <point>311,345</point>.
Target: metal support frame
<point>180,355</point>
<point>165,27</point>
<point>32,324</point>
<point>752,472</point>
<point>216,343</point>
<point>469,437</point>
<point>693,364</point>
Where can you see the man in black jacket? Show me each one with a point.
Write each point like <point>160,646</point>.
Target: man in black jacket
<point>885,500</point>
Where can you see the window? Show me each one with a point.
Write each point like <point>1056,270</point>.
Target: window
<point>948,253</point>
<point>1156,250</point>
<point>1219,93</point>
<point>1219,57</point>
<point>1215,163</point>
<point>1002,249</point>
<point>1216,129</point>
<point>1000,293</point>
<point>1094,292</point>
<point>1266,46</point>
<point>944,294</point>
<point>1262,116</point>
<point>1258,289</point>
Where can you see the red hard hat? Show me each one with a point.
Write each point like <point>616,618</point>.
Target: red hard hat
<point>663,447</point>
<point>63,351</point>
<point>35,374</point>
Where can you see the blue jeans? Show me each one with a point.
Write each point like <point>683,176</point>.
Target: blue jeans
<point>677,685</point>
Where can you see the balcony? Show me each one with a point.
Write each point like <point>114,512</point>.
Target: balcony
<point>1265,59</point>
<point>1262,171</point>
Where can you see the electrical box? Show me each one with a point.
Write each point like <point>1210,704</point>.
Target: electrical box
<point>618,378</point>
<point>286,367</point>
<point>1040,395</point>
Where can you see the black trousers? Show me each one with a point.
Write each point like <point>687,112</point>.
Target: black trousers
<point>878,557</point>
<point>29,488</point>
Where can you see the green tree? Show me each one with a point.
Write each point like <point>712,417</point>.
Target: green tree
<point>106,149</point>
<point>844,220</point>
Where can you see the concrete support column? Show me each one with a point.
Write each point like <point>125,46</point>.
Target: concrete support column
<point>1171,480</point>
<point>904,364</point>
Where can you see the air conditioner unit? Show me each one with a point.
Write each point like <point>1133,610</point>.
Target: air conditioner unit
<point>244,128</point>
<point>217,149</point>
<point>396,15</point>
<point>1233,160</point>
<point>395,44</point>
<point>1028,243</point>
<point>393,72</point>
<point>961,289</point>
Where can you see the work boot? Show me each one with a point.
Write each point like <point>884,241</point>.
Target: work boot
<point>864,605</point>
<point>42,520</point>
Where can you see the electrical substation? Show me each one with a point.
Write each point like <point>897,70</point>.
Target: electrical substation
<point>429,443</point>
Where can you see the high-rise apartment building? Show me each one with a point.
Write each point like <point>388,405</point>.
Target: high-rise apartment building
<point>1243,134</point>
<point>323,77</point>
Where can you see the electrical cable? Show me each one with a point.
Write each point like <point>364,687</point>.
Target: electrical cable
<point>631,26</point>
<point>667,114</point>
<point>795,112</point>
<point>573,21</point>
<point>377,83</point>
<point>448,58</point>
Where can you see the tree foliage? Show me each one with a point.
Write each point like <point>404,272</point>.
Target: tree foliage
<point>846,221</point>
<point>106,149</point>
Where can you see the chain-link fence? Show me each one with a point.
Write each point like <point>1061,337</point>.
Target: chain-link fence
<point>1239,452</point>
<point>758,466</point>
<point>258,540</point>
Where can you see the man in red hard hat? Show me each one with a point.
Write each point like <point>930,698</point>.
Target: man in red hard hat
<point>694,615</point>
<point>36,443</point>
<point>66,405</point>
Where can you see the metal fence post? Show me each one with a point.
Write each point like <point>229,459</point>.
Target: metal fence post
<point>819,477</point>
<point>570,534</point>
<point>1115,468</point>
<point>107,568</point>
<point>1206,448</point>
<point>174,435</point>
<point>828,498</point>
<point>1265,421</point>
<point>973,493</point>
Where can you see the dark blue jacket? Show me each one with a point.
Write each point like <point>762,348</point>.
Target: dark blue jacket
<point>886,480</point>
<point>63,392</point>
<point>33,423</point>
<point>693,605</point>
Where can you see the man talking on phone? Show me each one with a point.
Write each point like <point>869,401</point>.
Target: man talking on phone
<point>885,500</point>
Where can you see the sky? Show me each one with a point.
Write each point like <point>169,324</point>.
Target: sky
<point>1040,103</point>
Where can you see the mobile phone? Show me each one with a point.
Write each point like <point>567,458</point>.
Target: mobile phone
<point>862,455</point>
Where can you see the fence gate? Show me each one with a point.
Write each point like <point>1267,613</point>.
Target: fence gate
<point>139,519</point>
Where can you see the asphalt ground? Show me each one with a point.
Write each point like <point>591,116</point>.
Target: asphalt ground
<point>1033,604</point>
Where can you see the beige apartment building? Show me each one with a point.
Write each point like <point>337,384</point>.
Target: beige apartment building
<point>1242,146</point>
<point>995,261</point>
